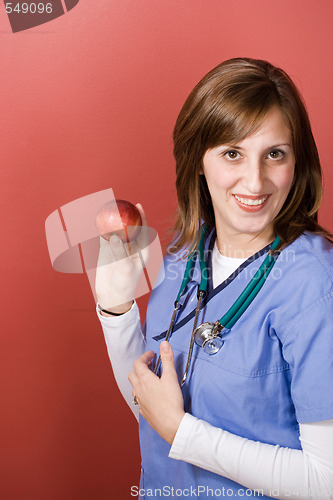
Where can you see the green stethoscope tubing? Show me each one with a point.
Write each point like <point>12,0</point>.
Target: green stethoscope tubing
<point>191,263</point>
<point>250,291</point>
<point>240,305</point>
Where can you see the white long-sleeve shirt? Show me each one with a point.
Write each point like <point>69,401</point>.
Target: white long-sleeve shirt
<point>279,472</point>
<point>285,472</point>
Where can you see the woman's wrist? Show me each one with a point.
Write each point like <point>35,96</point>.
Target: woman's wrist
<point>115,311</point>
<point>173,427</point>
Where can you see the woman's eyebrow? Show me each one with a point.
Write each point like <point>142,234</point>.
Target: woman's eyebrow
<point>282,144</point>
<point>268,147</point>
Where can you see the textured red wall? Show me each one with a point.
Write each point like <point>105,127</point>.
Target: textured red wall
<point>88,102</point>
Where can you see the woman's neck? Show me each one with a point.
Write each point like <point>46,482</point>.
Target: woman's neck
<point>243,245</point>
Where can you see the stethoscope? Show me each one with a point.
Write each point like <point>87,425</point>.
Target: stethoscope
<point>208,335</point>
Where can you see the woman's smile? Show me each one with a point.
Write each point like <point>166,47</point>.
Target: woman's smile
<point>251,204</point>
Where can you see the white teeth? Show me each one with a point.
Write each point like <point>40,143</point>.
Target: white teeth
<point>247,201</point>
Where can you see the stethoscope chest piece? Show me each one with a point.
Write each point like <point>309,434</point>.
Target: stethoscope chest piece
<point>208,336</point>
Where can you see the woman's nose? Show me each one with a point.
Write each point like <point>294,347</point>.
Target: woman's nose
<point>255,176</point>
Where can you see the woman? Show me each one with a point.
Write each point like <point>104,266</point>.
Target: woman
<point>255,418</point>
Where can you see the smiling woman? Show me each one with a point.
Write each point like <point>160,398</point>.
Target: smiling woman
<point>249,183</point>
<point>257,412</point>
<point>228,105</point>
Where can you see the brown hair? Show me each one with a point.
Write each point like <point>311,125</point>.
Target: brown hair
<point>227,105</point>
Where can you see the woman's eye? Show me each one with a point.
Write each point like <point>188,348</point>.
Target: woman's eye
<point>275,154</point>
<point>231,155</point>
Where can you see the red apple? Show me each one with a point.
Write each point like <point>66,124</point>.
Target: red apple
<point>119,217</point>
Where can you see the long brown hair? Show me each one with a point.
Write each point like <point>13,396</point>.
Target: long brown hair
<point>227,105</point>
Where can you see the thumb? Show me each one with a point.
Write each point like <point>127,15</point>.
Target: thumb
<point>167,358</point>
<point>117,248</point>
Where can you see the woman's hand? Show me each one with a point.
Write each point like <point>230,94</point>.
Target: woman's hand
<point>160,399</point>
<point>119,268</point>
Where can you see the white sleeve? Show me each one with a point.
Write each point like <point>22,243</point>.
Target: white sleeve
<point>125,343</point>
<point>278,472</point>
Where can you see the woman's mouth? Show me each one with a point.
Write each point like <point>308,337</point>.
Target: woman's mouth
<point>251,203</point>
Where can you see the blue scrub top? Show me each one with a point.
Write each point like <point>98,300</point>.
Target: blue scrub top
<point>275,368</point>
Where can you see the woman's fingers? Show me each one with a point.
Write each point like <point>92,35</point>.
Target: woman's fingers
<point>142,363</point>
<point>124,264</point>
<point>133,378</point>
<point>143,237</point>
<point>142,213</point>
<point>120,266</point>
<point>103,242</point>
<point>117,248</point>
<point>140,369</point>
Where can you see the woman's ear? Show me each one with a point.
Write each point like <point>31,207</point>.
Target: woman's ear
<point>201,171</point>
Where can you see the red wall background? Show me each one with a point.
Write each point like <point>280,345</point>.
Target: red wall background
<point>88,102</point>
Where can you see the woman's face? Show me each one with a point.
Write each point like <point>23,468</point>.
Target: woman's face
<point>249,181</point>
